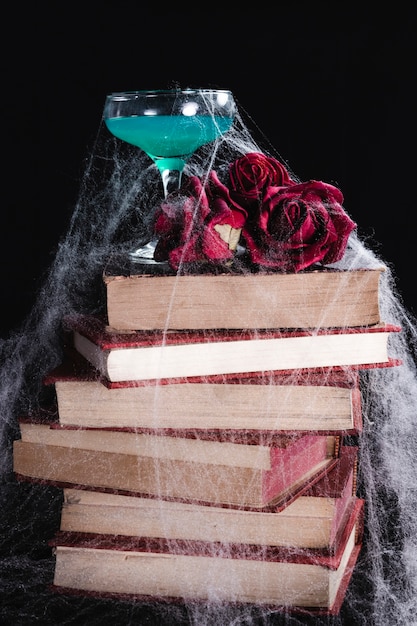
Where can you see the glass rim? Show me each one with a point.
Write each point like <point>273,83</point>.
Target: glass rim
<point>161,92</point>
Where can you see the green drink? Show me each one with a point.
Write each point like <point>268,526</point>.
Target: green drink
<point>169,126</point>
<point>169,139</point>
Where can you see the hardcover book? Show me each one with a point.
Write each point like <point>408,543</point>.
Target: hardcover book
<point>185,469</point>
<point>311,521</point>
<point>241,406</point>
<point>321,298</point>
<point>156,569</point>
<point>166,355</point>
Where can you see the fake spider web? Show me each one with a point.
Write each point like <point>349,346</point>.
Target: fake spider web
<point>119,191</point>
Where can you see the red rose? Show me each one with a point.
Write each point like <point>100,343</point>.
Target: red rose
<point>297,226</point>
<point>198,223</point>
<point>252,174</point>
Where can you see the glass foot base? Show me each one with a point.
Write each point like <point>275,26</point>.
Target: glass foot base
<point>144,254</point>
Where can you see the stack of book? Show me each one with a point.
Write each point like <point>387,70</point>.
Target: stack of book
<point>200,437</point>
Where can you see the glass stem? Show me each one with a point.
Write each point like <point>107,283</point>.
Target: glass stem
<point>171,180</point>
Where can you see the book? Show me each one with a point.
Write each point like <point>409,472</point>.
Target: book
<point>208,472</point>
<point>238,407</point>
<point>310,521</point>
<point>158,355</point>
<point>156,569</point>
<point>321,298</point>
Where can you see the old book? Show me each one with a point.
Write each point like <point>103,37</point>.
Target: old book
<point>168,467</point>
<point>328,402</point>
<point>156,569</point>
<point>158,355</point>
<point>310,521</point>
<point>312,299</point>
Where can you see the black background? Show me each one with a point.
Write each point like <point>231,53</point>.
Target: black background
<point>331,89</point>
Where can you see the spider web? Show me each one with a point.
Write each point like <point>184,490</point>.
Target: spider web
<point>119,192</point>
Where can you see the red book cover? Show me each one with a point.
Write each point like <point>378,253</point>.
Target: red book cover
<point>311,521</point>
<point>323,557</point>
<point>340,483</point>
<point>74,367</point>
<point>255,481</point>
<point>332,610</point>
<point>315,296</point>
<point>98,332</point>
<point>144,355</point>
<point>251,407</point>
<point>246,436</point>
<point>343,556</point>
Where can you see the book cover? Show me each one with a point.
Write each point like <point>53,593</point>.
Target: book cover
<point>261,455</point>
<point>153,568</point>
<point>240,407</point>
<point>158,355</point>
<point>247,476</point>
<point>313,298</point>
<point>310,521</point>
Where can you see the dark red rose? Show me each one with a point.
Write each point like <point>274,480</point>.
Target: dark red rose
<point>252,174</point>
<point>297,226</point>
<point>198,223</point>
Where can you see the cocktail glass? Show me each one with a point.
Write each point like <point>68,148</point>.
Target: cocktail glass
<point>169,125</point>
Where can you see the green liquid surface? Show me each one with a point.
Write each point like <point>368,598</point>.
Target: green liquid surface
<point>168,136</point>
